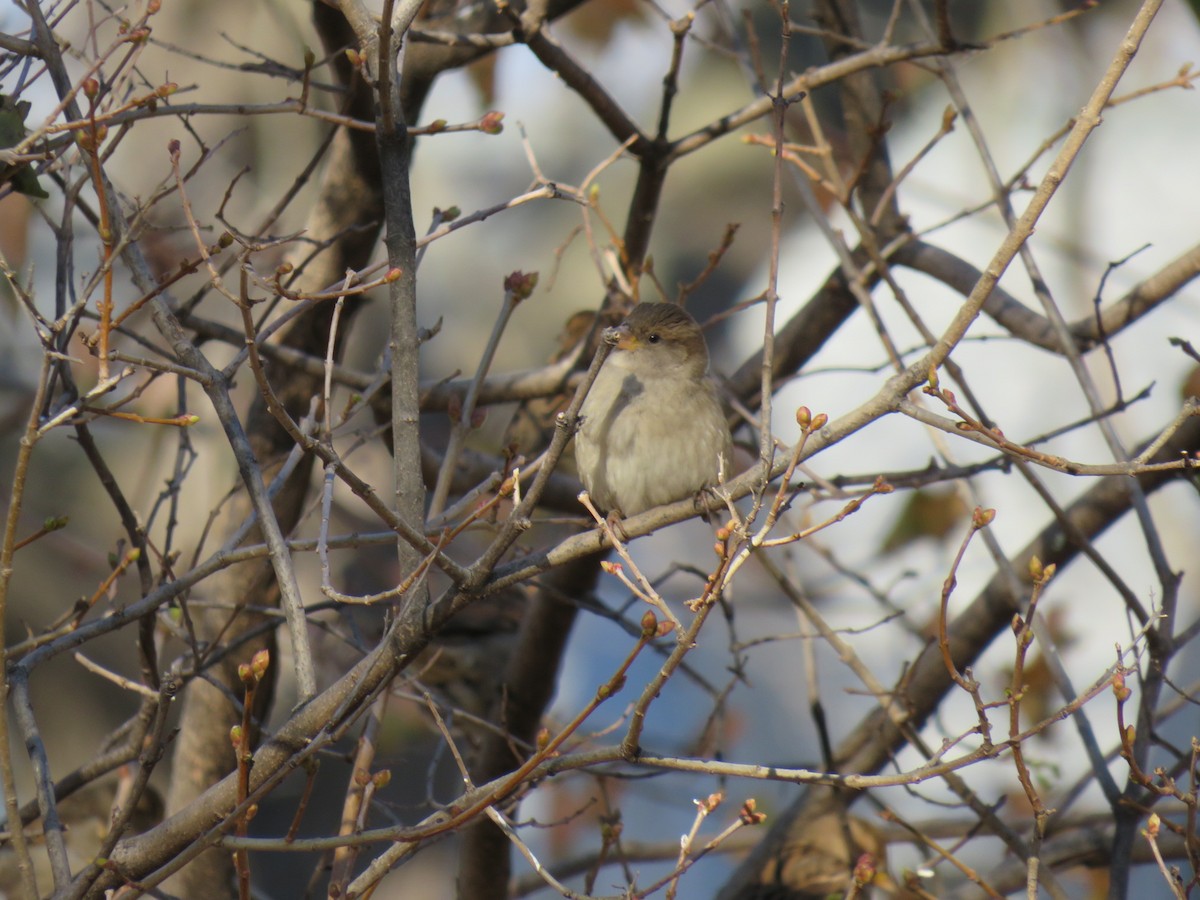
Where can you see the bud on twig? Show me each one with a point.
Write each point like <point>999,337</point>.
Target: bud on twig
<point>492,122</point>
<point>1035,568</point>
<point>261,662</point>
<point>1120,690</point>
<point>982,518</point>
<point>749,815</point>
<point>711,802</point>
<point>520,285</point>
<point>864,870</point>
<point>649,624</point>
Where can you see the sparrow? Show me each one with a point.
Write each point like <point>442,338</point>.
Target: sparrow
<point>653,430</point>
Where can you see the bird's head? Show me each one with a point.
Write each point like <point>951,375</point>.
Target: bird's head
<point>659,339</point>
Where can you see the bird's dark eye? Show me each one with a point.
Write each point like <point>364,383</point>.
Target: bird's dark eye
<point>653,339</point>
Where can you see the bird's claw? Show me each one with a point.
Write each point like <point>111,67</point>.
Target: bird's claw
<point>703,498</point>
<point>616,522</point>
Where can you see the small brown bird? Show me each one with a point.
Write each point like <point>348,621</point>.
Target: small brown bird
<point>653,430</point>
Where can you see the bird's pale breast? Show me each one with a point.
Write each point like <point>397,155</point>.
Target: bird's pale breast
<point>649,441</point>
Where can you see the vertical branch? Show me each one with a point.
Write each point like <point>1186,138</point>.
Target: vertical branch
<point>7,545</point>
<point>400,239</point>
<point>90,141</point>
<point>766,440</point>
<point>1023,630</point>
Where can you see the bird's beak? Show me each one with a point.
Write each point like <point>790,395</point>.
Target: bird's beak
<point>621,337</point>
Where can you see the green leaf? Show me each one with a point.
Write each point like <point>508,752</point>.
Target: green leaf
<point>12,132</point>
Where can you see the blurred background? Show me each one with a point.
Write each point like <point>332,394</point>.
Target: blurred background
<point>1129,203</point>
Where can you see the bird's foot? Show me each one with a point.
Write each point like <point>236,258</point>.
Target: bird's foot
<point>615,521</point>
<point>703,499</point>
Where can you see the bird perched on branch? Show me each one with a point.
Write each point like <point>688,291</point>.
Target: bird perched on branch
<point>653,429</point>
